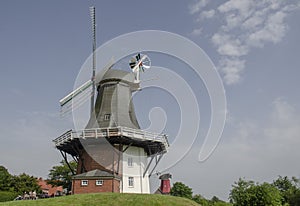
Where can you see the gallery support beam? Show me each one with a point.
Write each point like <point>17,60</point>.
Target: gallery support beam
<point>64,154</point>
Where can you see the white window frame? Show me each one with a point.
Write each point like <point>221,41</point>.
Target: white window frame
<point>130,181</point>
<point>84,182</point>
<point>99,182</point>
<point>106,117</point>
<point>130,162</point>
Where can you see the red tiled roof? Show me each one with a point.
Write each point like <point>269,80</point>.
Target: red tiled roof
<point>47,187</point>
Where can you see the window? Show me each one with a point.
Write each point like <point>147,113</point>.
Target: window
<point>107,117</point>
<point>84,182</point>
<point>130,181</point>
<point>130,162</point>
<point>99,182</point>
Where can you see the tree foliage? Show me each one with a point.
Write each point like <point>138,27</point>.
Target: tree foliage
<point>5,179</point>
<point>200,200</point>
<point>181,190</point>
<point>61,175</point>
<point>25,183</point>
<point>7,196</point>
<point>289,189</point>
<point>246,193</point>
<point>215,201</point>
<point>17,184</point>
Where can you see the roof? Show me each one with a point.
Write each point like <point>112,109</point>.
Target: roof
<point>95,174</point>
<point>48,187</point>
<point>165,176</point>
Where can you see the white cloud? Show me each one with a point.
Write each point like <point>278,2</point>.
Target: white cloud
<point>253,22</point>
<point>207,14</point>
<point>245,24</point>
<point>228,46</point>
<point>242,6</point>
<point>231,68</point>
<point>282,111</point>
<point>197,32</point>
<point>197,6</point>
<point>235,12</point>
<point>273,30</point>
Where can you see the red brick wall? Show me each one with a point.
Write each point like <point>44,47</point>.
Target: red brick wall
<point>100,157</point>
<point>107,186</point>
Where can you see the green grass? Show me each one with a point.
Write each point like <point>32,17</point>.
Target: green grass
<point>106,199</point>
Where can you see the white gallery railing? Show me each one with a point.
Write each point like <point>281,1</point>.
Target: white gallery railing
<point>135,134</point>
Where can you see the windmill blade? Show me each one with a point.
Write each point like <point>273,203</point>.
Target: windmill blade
<point>132,63</point>
<point>80,95</point>
<point>138,56</point>
<point>146,66</point>
<point>139,63</point>
<point>76,92</point>
<point>76,102</point>
<point>86,85</point>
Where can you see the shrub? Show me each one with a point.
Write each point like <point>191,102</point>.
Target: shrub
<point>7,196</point>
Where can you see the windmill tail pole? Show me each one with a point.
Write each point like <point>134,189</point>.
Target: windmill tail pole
<point>93,18</point>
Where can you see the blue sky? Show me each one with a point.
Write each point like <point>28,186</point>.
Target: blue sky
<point>254,45</point>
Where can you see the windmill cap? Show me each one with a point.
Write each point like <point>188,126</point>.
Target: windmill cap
<point>119,75</point>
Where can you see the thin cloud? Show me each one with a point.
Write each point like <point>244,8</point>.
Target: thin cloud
<point>280,130</point>
<point>197,32</point>
<point>208,14</point>
<point>255,150</point>
<point>197,6</point>
<point>244,25</point>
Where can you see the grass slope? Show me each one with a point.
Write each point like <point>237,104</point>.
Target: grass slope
<point>106,199</point>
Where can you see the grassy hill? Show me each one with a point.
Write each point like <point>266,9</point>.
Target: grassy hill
<point>106,199</point>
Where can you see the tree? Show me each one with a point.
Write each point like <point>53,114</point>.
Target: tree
<point>17,183</point>
<point>215,201</point>
<point>25,183</point>
<point>246,193</point>
<point>61,175</point>
<point>7,196</point>
<point>181,190</point>
<point>239,195</point>
<point>294,200</point>
<point>5,179</point>
<point>289,189</point>
<point>200,200</point>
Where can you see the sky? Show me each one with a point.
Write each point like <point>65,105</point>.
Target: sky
<point>253,44</point>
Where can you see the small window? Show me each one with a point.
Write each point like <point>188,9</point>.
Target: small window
<point>99,182</point>
<point>84,182</point>
<point>107,117</point>
<point>130,162</point>
<point>130,181</point>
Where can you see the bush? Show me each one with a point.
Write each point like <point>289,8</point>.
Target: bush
<point>181,190</point>
<point>7,196</point>
<point>246,193</point>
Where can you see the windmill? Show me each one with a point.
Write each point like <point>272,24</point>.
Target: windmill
<point>113,153</point>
